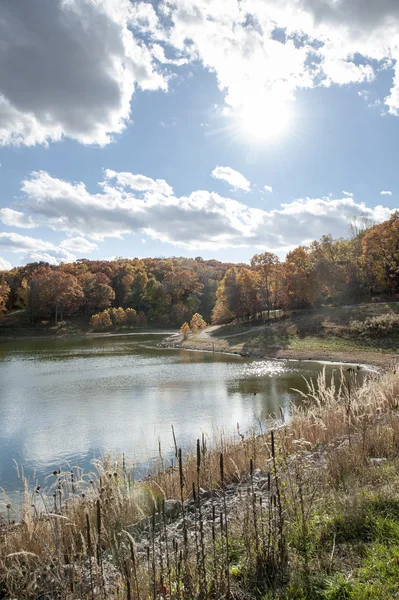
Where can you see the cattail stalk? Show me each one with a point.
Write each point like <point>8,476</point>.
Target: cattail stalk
<point>251,471</point>
<point>166,545</point>
<point>200,517</point>
<point>90,552</point>
<point>226,532</point>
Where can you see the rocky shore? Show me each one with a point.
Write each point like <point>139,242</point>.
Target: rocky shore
<point>167,525</point>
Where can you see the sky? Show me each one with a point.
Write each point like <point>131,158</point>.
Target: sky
<point>213,128</point>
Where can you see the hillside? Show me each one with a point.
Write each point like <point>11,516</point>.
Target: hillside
<point>366,333</point>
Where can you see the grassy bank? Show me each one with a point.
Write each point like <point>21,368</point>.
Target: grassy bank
<point>310,511</point>
<point>366,333</point>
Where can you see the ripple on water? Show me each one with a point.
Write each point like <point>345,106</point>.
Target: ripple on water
<point>265,368</point>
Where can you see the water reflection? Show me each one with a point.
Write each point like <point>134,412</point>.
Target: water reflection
<point>69,401</point>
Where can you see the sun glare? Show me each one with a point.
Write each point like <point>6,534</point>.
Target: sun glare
<point>265,120</point>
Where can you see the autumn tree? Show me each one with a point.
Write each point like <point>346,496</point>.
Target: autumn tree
<point>380,257</point>
<point>197,322</point>
<point>183,291</point>
<point>221,314</point>
<point>157,300</point>
<point>118,315</point>
<point>4,292</point>
<point>230,292</point>
<point>265,265</point>
<point>98,294</point>
<point>121,280</point>
<point>100,321</point>
<point>137,297</point>
<point>249,286</point>
<point>209,279</point>
<point>55,293</point>
<point>332,260</point>
<point>299,278</point>
<point>131,316</point>
<point>227,305</point>
<point>22,296</point>
<point>185,330</point>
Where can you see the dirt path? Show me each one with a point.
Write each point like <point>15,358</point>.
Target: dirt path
<point>205,334</point>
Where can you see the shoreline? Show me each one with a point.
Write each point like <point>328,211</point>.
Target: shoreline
<point>204,343</point>
<point>373,359</point>
<point>81,335</point>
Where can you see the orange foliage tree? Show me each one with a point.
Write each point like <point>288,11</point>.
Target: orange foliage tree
<point>55,293</point>
<point>380,257</point>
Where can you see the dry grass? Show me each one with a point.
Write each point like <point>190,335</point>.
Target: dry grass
<point>76,541</point>
<point>360,328</point>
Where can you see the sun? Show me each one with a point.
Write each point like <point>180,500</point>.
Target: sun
<point>264,119</point>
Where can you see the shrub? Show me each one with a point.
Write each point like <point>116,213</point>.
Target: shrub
<point>378,325</point>
<point>117,315</point>
<point>100,321</point>
<point>131,316</point>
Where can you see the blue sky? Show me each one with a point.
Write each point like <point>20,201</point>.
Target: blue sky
<point>194,127</point>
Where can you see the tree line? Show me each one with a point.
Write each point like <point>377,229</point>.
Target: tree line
<point>157,290</point>
<point>171,291</point>
<point>328,271</point>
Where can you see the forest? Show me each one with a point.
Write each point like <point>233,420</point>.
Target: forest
<point>171,290</point>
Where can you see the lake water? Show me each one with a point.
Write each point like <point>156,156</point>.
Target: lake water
<point>67,401</point>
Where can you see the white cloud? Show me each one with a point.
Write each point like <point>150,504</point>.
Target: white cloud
<point>52,258</point>
<point>5,265</point>
<point>106,49</point>
<point>35,248</point>
<point>201,220</point>
<point>232,177</point>
<point>14,242</point>
<point>386,193</point>
<point>348,194</point>
<point>264,48</point>
<point>69,68</point>
<point>268,188</point>
<point>14,218</point>
<point>78,245</point>
<point>140,183</point>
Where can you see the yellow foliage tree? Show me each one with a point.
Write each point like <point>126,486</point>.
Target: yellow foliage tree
<point>185,330</point>
<point>197,322</point>
<point>100,321</point>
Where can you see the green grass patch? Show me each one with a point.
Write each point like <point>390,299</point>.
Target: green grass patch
<point>326,329</point>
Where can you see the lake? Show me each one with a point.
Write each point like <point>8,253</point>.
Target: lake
<point>67,401</point>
